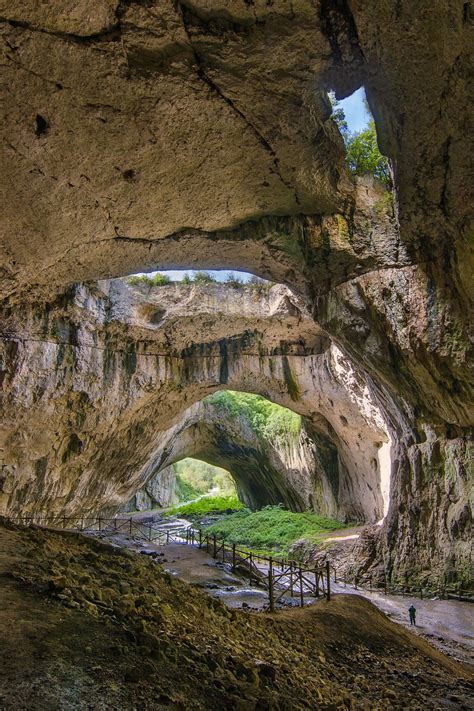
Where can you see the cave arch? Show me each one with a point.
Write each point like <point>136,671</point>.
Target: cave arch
<point>305,467</point>
<point>134,401</point>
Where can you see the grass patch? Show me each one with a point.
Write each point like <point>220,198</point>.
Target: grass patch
<point>207,504</point>
<point>272,528</point>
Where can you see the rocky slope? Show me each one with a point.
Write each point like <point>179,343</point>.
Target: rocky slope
<point>78,617</point>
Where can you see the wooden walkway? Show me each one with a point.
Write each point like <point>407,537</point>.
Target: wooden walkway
<point>280,577</point>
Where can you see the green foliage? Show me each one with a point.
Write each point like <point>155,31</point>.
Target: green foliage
<point>207,504</point>
<point>338,115</point>
<point>362,152</point>
<point>234,281</point>
<point>271,528</point>
<point>203,277</point>
<point>185,491</point>
<point>203,477</point>
<point>145,280</point>
<point>268,420</point>
<point>363,155</point>
<point>186,279</point>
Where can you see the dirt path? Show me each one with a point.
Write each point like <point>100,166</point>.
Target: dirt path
<point>86,626</point>
<point>447,624</point>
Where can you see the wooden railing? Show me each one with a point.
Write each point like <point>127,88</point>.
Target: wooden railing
<point>280,576</point>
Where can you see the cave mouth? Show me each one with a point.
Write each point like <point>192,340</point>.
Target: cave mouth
<point>196,478</point>
<point>273,455</point>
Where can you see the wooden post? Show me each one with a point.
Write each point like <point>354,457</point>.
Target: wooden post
<point>370,583</point>
<point>130,525</point>
<point>214,546</point>
<point>301,587</point>
<point>270,585</point>
<point>291,578</point>
<point>316,582</point>
<point>115,523</point>
<point>385,583</point>
<point>100,524</point>
<point>82,523</point>
<point>233,557</point>
<point>167,537</point>
<point>328,581</point>
<point>355,582</point>
<point>250,569</point>
<point>200,538</point>
<point>335,575</point>
<point>421,592</point>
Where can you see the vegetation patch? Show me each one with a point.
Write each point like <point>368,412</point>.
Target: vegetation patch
<point>204,278</point>
<point>150,281</point>
<point>362,152</point>
<point>206,505</point>
<point>267,420</point>
<point>272,528</point>
<point>185,491</point>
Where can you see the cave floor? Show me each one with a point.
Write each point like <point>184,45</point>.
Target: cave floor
<point>87,626</point>
<point>446,624</point>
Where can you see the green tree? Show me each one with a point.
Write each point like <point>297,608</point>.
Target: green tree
<point>339,116</point>
<point>363,155</point>
<point>203,277</point>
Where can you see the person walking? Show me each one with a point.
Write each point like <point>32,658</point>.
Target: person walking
<point>412,613</point>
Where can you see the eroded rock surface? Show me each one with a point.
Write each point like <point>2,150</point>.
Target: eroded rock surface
<point>140,136</point>
<point>99,385</point>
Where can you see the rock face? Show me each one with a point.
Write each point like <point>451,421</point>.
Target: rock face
<point>101,383</point>
<point>158,492</point>
<point>302,470</point>
<point>147,135</point>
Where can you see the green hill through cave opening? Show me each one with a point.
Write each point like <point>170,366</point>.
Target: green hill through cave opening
<point>196,478</point>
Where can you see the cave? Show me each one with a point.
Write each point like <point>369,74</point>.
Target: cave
<point>301,464</point>
<point>145,136</point>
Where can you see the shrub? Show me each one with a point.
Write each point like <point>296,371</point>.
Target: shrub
<point>139,280</point>
<point>260,286</point>
<point>207,504</point>
<point>234,281</point>
<point>272,527</point>
<point>150,281</point>
<point>203,277</point>
<point>160,279</point>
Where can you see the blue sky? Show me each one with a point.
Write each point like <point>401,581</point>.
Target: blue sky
<point>356,114</point>
<point>357,119</point>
